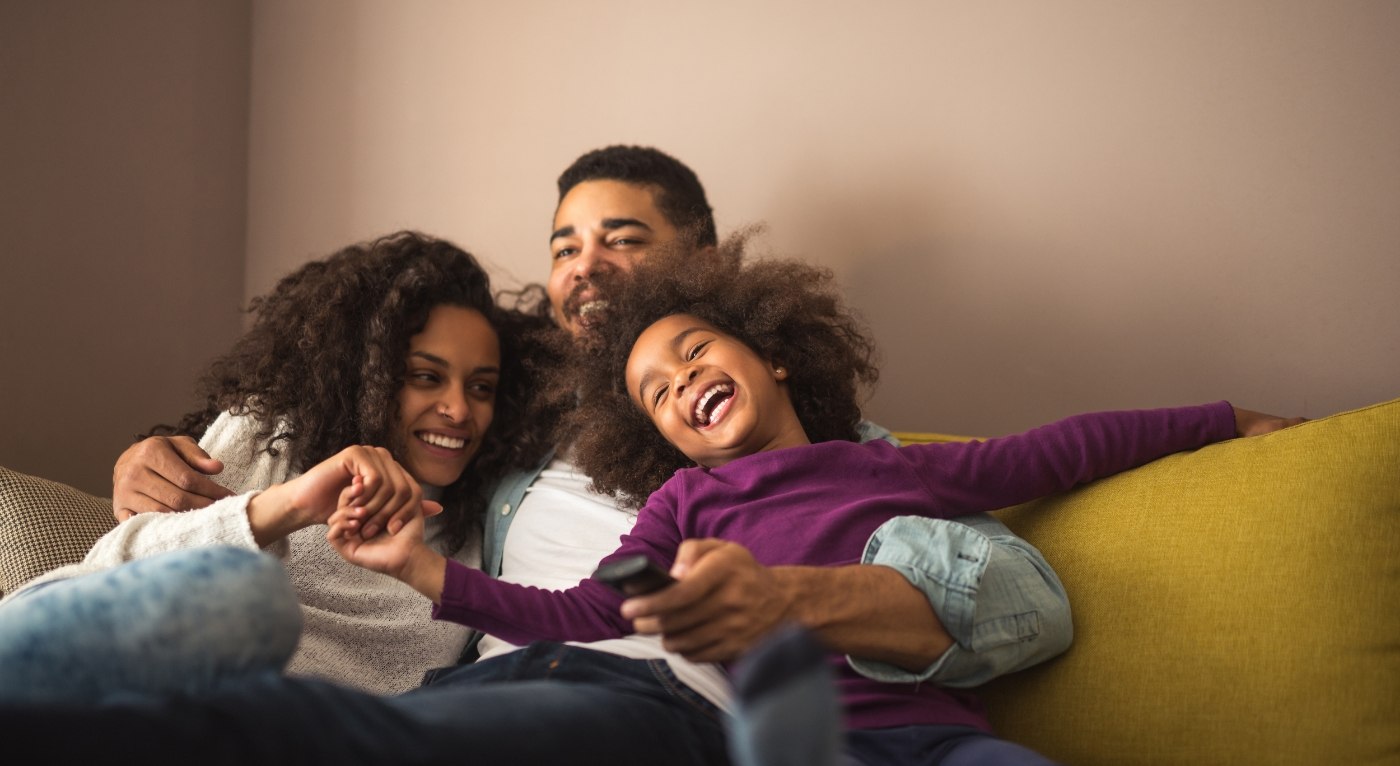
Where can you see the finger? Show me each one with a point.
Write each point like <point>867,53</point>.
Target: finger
<point>193,455</point>
<point>141,502</point>
<point>408,501</point>
<point>691,552</point>
<point>164,493</point>
<point>679,596</point>
<point>400,496</point>
<point>182,465</point>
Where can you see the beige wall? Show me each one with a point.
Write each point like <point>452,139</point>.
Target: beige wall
<point>1041,208</point>
<point>123,157</point>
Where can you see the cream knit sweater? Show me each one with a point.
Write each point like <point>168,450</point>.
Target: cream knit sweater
<point>360,628</point>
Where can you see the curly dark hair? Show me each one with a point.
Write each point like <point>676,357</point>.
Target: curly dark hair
<point>323,363</point>
<point>787,311</point>
<point>679,195</point>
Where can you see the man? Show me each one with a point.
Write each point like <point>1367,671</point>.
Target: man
<point>954,603</point>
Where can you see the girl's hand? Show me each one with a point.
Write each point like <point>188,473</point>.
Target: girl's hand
<point>388,552</point>
<point>402,554</point>
<point>1250,423</point>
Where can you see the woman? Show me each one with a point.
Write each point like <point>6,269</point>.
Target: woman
<point>396,343</point>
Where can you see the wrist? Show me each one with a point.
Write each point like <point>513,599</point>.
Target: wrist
<point>270,515</point>
<point>425,571</point>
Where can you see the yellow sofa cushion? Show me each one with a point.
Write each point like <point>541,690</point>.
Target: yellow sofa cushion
<point>1236,604</point>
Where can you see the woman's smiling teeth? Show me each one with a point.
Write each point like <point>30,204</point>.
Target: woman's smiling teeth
<point>439,440</point>
<point>711,405</point>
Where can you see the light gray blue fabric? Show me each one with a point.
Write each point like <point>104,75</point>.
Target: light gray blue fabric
<point>177,622</point>
<point>994,593</point>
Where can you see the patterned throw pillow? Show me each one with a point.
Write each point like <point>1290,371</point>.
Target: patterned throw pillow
<point>45,525</point>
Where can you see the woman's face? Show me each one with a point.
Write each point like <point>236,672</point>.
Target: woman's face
<point>708,393</point>
<point>449,393</point>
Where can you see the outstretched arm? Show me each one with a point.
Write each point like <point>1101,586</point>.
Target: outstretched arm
<point>726,601</point>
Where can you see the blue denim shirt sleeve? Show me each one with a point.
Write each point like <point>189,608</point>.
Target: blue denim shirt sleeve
<point>500,511</point>
<point>994,593</point>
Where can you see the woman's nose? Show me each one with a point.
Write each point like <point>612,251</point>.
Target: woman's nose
<point>453,407</point>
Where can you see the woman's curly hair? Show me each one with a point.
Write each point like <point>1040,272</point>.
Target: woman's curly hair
<point>323,363</point>
<point>787,311</point>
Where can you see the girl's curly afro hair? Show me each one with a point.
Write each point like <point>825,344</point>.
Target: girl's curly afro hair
<point>786,310</point>
<point>322,365</point>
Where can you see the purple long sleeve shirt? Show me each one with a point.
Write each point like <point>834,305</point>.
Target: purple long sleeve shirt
<point>818,504</point>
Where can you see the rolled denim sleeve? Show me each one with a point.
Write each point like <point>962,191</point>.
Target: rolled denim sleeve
<point>994,593</point>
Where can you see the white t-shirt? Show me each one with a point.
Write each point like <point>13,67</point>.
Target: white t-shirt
<point>560,532</point>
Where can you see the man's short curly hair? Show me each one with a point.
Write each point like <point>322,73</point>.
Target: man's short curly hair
<point>678,192</point>
<point>324,361</point>
<point>787,311</point>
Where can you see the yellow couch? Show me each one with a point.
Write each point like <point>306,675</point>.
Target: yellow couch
<point>1239,604</point>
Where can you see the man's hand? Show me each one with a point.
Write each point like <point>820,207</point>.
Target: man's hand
<point>722,604</point>
<point>161,474</point>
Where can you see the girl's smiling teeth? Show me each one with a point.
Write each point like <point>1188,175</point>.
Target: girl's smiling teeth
<point>712,405</point>
<point>441,440</point>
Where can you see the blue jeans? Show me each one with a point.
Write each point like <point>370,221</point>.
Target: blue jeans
<point>546,703</point>
<point>177,622</point>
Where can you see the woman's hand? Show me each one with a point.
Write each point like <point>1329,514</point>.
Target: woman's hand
<point>1250,423</point>
<point>387,492</point>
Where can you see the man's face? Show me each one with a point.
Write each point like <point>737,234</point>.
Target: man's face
<point>601,229</point>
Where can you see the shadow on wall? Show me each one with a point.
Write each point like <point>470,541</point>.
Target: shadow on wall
<point>982,334</point>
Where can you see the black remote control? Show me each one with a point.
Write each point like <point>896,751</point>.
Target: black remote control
<point>633,576</point>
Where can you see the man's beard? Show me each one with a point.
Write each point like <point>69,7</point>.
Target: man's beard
<point>591,313</point>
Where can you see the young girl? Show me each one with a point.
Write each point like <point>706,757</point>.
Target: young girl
<point>396,342</point>
<point>733,387</point>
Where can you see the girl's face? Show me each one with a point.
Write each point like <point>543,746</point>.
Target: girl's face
<point>708,393</point>
<point>449,393</point>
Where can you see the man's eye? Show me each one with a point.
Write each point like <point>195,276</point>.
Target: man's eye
<point>564,252</point>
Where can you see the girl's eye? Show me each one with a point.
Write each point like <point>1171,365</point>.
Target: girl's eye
<point>656,397</point>
<point>695,350</point>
